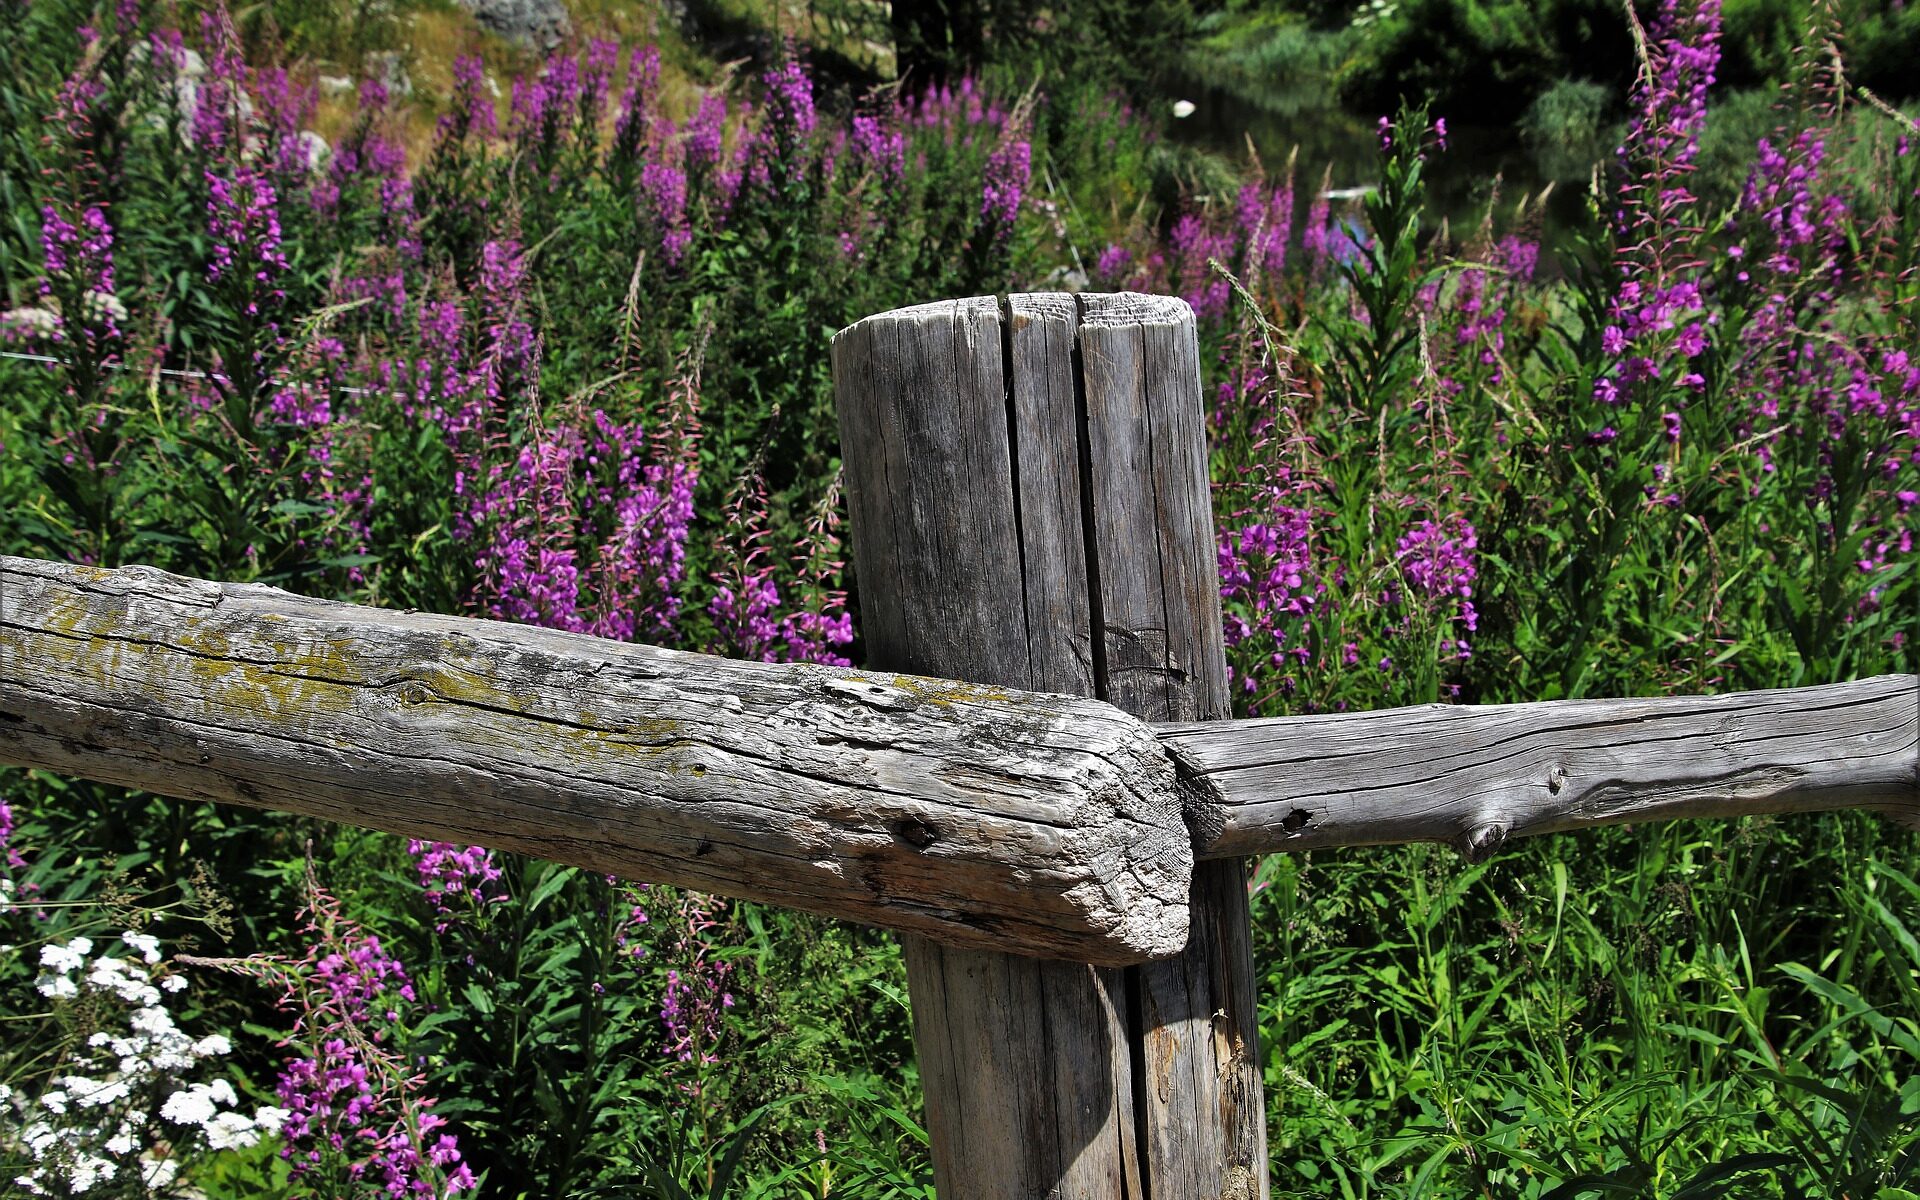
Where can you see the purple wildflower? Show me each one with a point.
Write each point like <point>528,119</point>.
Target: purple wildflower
<point>243,219</point>
<point>880,148</point>
<point>351,1095</point>
<point>455,878</point>
<point>633,126</point>
<point>471,113</point>
<point>705,132</point>
<point>1009,168</point>
<point>693,1008</point>
<point>1438,559</point>
<point>790,110</point>
<point>666,191</point>
<point>79,263</point>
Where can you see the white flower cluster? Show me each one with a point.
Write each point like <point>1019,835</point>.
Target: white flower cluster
<point>105,1111</point>
<point>103,308</point>
<point>26,323</point>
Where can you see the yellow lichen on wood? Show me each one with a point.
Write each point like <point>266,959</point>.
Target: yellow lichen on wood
<point>945,693</point>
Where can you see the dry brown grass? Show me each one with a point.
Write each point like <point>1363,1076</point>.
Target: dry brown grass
<point>433,38</point>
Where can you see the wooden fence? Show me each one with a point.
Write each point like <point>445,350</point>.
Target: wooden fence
<point>1036,784</point>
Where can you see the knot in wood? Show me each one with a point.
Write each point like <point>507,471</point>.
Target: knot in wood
<point>1477,843</point>
<point>915,832</point>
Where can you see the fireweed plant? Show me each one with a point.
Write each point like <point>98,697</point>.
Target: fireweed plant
<point>565,364</point>
<point>352,1118</point>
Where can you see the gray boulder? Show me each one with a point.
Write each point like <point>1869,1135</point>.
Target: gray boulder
<point>540,24</point>
<point>389,67</point>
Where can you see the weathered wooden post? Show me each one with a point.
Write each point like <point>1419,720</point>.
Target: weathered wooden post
<point>1027,480</point>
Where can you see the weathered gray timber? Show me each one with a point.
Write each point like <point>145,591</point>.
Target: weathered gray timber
<point>1163,658</point>
<point>1024,1064</point>
<point>1046,825</point>
<point>87,657</point>
<point>1476,776</point>
<point>1029,508</point>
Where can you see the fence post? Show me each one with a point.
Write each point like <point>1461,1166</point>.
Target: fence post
<point>1027,481</point>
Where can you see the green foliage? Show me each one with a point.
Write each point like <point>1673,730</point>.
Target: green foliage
<point>1124,44</point>
<point>1566,127</point>
<point>1480,60</point>
<point>1592,1018</point>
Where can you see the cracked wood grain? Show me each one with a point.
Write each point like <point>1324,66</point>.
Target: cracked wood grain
<point>963,486</point>
<point>1042,825</point>
<point>1198,1101</point>
<point>1475,776</point>
<point>1064,542</point>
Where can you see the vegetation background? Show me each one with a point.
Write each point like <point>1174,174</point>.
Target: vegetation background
<point>1553,349</point>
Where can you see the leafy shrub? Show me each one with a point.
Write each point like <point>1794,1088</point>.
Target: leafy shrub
<point>1566,129</point>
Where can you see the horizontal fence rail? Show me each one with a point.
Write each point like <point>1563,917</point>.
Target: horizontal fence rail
<point>1476,775</point>
<point>1045,824</point>
<point>1041,824</point>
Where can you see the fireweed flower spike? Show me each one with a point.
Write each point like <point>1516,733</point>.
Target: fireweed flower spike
<point>880,147</point>
<point>1113,267</point>
<point>780,156</point>
<point>243,220</point>
<point>698,993</point>
<point>352,1113</point>
<point>1009,168</point>
<point>1438,561</point>
<point>222,107</point>
<point>665,188</point>
<point>80,279</point>
<point>457,880</point>
<point>1316,237</point>
<point>706,135</point>
<point>1657,321</point>
<point>471,113</point>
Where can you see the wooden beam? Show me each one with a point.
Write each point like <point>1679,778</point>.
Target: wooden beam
<point>1475,776</point>
<point>1162,656</point>
<point>972,564</point>
<point>1028,488</point>
<point>980,816</point>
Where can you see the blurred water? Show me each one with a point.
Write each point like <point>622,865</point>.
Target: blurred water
<point>1339,147</point>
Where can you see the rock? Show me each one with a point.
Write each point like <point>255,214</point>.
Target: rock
<point>316,149</point>
<point>387,67</point>
<point>335,85</point>
<point>539,24</point>
<point>186,101</point>
<point>183,85</point>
